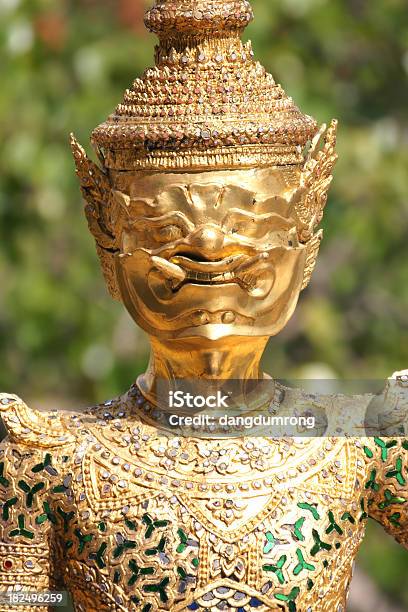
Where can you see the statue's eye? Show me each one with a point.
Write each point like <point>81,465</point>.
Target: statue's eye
<point>168,233</point>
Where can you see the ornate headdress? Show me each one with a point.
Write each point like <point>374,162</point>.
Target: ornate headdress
<point>207,102</point>
<point>206,105</point>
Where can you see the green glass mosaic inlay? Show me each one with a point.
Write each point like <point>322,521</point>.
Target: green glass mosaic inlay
<point>159,588</point>
<point>319,544</point>
<point>310,508</point>
<point>277,569</point>
<point>21,530</point>
<point>302,565</point>
<point>270,542</point>
<point>397,473</point>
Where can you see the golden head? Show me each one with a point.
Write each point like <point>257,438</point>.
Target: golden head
<point>212,186</point>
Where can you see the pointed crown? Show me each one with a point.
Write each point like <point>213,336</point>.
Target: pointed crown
<point>206,103</point>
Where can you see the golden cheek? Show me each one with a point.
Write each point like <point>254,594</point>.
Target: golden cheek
<point>262,284</point>
<point>161,288</point>
<point>166,234</point>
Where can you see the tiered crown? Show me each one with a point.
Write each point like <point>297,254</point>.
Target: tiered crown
<point>207,103</point>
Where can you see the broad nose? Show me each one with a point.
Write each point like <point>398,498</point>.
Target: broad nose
<point>209,239</point>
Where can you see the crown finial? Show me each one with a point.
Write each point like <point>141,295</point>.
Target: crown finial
<point>197,18</point>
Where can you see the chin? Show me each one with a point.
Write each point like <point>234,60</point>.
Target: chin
<point>204,322</point>
<point>218,332</point>
<point>269,325</point>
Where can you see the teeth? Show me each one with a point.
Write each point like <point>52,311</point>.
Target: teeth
<point>251,263</point>
<point>169,270</point>
<point>248,282</point>
<point>208,267</point>
<point>210,278</point>
<point>177,275</point>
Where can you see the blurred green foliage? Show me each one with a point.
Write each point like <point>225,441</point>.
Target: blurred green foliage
<point>64,66</point>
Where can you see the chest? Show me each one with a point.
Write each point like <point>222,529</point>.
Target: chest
<point>174,526</point>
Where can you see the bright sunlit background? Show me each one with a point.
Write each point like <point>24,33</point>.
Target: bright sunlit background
<point>65,65</point>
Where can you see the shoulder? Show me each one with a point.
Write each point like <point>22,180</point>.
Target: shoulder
<point>45,429</point>
<point>34,428</point>
<point>387,413</point>
<point>397,386</point>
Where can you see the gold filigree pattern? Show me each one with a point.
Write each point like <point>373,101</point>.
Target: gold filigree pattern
<point>100,212</point>
<point>206,103</point>
<point>120,531</point>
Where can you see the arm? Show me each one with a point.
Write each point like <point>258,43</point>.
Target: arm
<point>29,473</point>
<point>388,483</point>
<point>26,556</point>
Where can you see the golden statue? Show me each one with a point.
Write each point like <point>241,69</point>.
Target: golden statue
<point>205,210</point>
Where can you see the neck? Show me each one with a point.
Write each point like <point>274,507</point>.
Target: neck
<point>202,360</point>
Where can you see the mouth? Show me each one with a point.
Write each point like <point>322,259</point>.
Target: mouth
<point>208,272</point>
<point>181,269</point>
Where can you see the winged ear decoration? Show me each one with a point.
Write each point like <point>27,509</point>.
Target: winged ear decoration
<point>309,200</point>
<point>102,210</point>
<point>312,249</point>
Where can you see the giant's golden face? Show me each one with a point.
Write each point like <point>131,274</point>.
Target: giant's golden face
<point>210,254</point>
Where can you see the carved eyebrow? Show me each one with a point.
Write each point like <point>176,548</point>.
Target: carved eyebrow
<point>233,213</point>
<point>175,217</point>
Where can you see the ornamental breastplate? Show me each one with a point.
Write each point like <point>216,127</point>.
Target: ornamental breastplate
<point>129,517</point>
<point>166,523</point>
